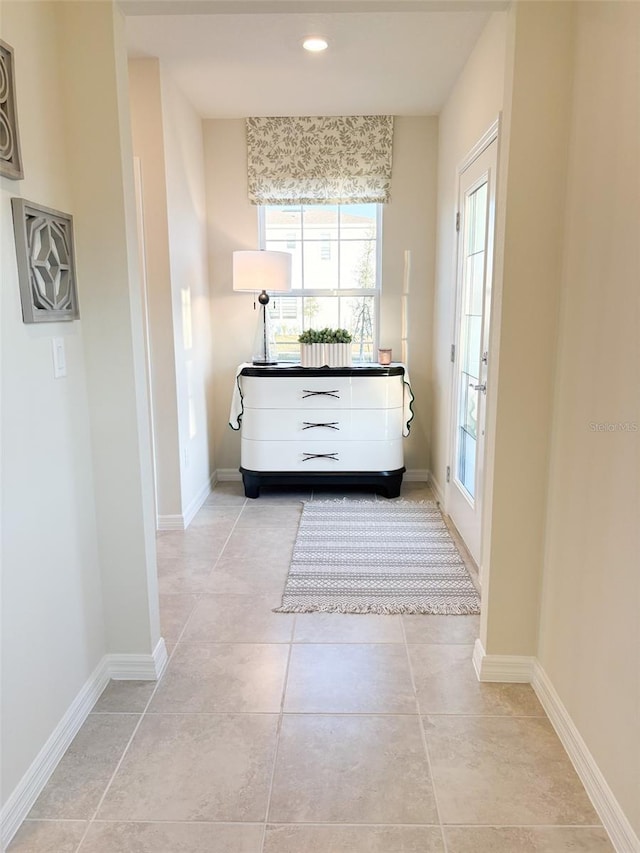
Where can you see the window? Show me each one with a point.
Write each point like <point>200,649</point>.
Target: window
<point>336,272</point>
<point>325,249</point>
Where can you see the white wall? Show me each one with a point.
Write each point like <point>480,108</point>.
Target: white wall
<point>52,623</point>
<point>521,65</point>
<point>93,60</point>
<point>590,625</point>
<point>525,306</point>
<point>409,229</point>
<point>167,137</point>
<point>561,561</point>
<point>408,224</point>
<point>232,224</point>
<point>148,145</point>
<point>78,561</point>
<point>186,215</point>
<point>472,107</point>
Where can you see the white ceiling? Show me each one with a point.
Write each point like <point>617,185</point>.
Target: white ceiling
<point>403,60</point>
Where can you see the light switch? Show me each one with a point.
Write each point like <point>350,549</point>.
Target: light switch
<point>59,358</point>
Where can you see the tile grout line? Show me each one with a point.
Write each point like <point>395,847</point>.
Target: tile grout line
<point>217,560</point>
<point>222,550</point>
<point>278,735</point>
<point>316,713</point>
<point>323,823</point>
<point>133,734</point>
<point>424,740</point>
<point>200,593</point>
<point>153,692</point>
<point>180,643</point>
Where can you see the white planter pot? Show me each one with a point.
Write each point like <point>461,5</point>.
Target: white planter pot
<point>338,355</point>
<point>312,355</point>
<point>325,355</point>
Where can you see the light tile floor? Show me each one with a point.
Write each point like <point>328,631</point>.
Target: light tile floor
<point>318,733</point>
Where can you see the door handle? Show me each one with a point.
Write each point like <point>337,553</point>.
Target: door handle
<point>482,388</point>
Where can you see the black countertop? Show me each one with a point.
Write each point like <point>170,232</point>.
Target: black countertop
<point>285,369</point>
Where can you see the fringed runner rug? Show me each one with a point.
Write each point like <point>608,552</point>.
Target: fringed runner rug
<point>376,557</point>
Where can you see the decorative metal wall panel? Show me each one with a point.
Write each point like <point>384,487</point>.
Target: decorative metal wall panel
<point>46,265</point>
<point>10,159</point>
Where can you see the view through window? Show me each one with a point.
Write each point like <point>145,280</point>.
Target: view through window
<point>335,276</point>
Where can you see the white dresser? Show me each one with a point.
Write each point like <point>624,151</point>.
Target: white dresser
<point>336,426</point>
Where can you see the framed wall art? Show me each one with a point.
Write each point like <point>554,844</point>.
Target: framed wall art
<point>10,158</point>
<point>46,262</point>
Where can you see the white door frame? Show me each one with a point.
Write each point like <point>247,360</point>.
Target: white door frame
<point>491,135</point>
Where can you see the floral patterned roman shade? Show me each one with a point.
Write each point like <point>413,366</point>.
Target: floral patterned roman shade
<point>319,160</point>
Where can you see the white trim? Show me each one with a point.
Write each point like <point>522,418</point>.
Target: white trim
<point>228,475</point>
<point>481,145</point>
<point>491,134</point>
<point>417,475</point>
<point>138,667</point>
<point>182,521</point>
<point>522,669</point>
<point>170,522</point>
<point>134,667</point>
<point>515,669</point>
<point>301,292</point>
<point>191,511</point>
<point>468,512</point>
<point>28,790</point>
<point>436,489</point>
<point>614,820</point>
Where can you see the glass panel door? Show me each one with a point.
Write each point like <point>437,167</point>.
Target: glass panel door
<point>474,274</point>
<point>469,361</point>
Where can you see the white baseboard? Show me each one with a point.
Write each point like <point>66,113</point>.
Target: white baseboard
<point>416,475</point>
<point>132,667</point>
<point>517,669</point>
<point>228,475</point>
<point>170,522</point>
<point>198,500</point>
<point>523,669</point>
<point>614,820</point>
<point>180,521</point>
<point>28,790</point>
<point>436,489</point>
<point>138,667</point>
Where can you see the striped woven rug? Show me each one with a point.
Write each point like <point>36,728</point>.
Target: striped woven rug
<point>376,557</point>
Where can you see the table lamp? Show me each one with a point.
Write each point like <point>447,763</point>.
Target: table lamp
<point>262,271</point>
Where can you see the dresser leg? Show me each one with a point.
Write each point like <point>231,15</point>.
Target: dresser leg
<point>251,486</point>
<point>391,488</point>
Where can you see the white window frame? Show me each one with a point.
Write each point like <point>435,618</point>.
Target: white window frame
<point>323,292</point>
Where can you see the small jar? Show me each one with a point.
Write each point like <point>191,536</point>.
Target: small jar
<point>384,356</point>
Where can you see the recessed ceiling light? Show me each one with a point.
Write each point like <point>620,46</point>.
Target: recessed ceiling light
<point>315,44</point>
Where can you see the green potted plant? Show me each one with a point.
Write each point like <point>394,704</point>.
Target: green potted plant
<point>325,348</point>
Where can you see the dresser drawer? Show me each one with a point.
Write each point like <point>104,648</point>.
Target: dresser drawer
<point>322,392</point>
<point>319,424</point>
<point>325,455</point>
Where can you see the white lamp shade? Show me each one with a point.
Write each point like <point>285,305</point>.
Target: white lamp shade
<point>270,271</point>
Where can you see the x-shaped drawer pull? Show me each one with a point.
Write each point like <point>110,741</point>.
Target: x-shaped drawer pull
<point>306,393</point>
<point>307,457</point>
<point>333,425</point>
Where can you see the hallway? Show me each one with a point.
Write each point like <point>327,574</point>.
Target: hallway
<point>315,733</point>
